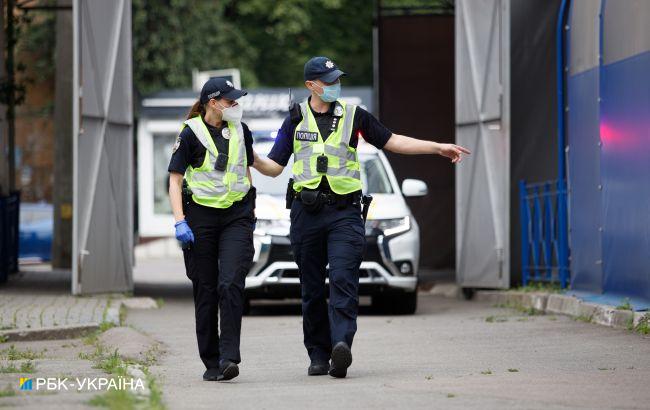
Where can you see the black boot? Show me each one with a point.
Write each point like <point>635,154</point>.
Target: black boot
<point>341,360</point>
<point>211,375</point>
<point>227,371</point>
<point>318,368</point>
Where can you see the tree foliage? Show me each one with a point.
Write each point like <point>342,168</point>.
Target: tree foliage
<point>269,41</point>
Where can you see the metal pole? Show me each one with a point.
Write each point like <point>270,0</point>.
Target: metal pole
<point>76,50</point>
<point>62,197</point>
<point>11,95</point>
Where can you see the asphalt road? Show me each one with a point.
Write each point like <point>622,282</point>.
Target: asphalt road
<point>451,354</point>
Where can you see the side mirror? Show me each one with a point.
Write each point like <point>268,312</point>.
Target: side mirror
<point>414,188</point>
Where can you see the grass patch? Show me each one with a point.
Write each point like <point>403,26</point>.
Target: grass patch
<point>112,364</point>
<point>486,372</point>
<point>10,368</point>
<point>643,326</point>
<point>528,311</point>
<point>7,391</point>
<point>4,338</point>
<point>104,326</point>
<point>116,400</point>
<point>122,315</point>
<point>428,377</point>
<point>160,302</point>
<point>16,354</point>
<point>513,370</point>
<point>625,305</point>
<point>583,318</point>
<point>27,367</point>
<point>450,395</point>
<point>155,393</point>
<point>540,287</point>
<point>496,319</point>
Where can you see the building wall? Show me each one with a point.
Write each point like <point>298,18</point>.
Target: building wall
<point>609,142</point>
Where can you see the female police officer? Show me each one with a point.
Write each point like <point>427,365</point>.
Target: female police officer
<point>326,225</point>
<point>214,215</point>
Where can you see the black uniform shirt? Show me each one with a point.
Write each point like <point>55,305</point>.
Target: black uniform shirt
<point>188,150</point>
<point>364,124</point>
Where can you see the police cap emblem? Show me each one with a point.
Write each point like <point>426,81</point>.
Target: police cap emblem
<point>329,64</point>
<point>229,84</point>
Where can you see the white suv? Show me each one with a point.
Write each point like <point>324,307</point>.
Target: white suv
<point>389,269</point>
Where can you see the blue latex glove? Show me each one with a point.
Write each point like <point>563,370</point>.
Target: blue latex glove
<point>183,232</point>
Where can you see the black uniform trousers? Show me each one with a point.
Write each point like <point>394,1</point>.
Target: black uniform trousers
<point>334,236</point>
<point>217,265</point>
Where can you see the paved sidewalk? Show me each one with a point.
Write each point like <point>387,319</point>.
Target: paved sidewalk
<point>452,354</point>
<point>39,299</point>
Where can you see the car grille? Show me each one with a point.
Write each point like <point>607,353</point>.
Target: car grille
<point>293,273</point>
<point>281,252</point>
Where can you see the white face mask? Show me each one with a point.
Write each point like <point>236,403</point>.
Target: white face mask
<point>231,114</point>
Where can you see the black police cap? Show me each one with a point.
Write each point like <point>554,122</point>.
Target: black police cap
<point>217,87</point>
<point>322,68</point>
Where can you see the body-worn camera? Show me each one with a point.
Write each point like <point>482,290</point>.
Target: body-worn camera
<point>222,161</point>
<point>321,163</point>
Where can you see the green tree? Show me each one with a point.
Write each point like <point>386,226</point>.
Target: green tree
<point>172,37</point>
<point>289,32</point>
<point>269,41</point>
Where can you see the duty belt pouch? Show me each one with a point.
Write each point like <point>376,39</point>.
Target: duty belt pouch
<point>290,194</point>
<point>222,161</point>
<point>311,200</point>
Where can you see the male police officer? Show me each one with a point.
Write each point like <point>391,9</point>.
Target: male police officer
<point>326,223</point>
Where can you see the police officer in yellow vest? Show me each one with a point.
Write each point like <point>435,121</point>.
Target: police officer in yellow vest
<point>213,205</point>
<point>326,224</point>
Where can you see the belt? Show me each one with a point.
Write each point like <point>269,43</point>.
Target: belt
<point>332,198</point>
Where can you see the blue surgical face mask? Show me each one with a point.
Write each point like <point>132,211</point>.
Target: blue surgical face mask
<point>330,93</point>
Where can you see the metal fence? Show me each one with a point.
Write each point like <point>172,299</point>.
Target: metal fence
<point>9,222</point>
<point>544,232</point>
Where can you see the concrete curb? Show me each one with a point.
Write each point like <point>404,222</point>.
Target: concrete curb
<point>80,330</point>
<point>48,333</point>
<point>554,303</point>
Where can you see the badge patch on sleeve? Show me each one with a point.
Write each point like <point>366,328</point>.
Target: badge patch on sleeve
<point>307,136</point>
<point>176,144</point>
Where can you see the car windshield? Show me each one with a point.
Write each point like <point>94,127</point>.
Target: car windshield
<point>373,175</point>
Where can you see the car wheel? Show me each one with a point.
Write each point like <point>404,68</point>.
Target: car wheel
<point>395,304</point>
<point>405,303</point>
<point>380,303</point>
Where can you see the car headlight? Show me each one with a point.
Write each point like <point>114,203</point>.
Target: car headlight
<point>272,227</point>
<point>391,227</point>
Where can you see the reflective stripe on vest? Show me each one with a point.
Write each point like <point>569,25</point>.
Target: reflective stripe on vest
<point>210,187</point>
<point>343,171</point>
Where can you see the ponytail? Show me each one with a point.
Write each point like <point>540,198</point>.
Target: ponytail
<point>197,109</point>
